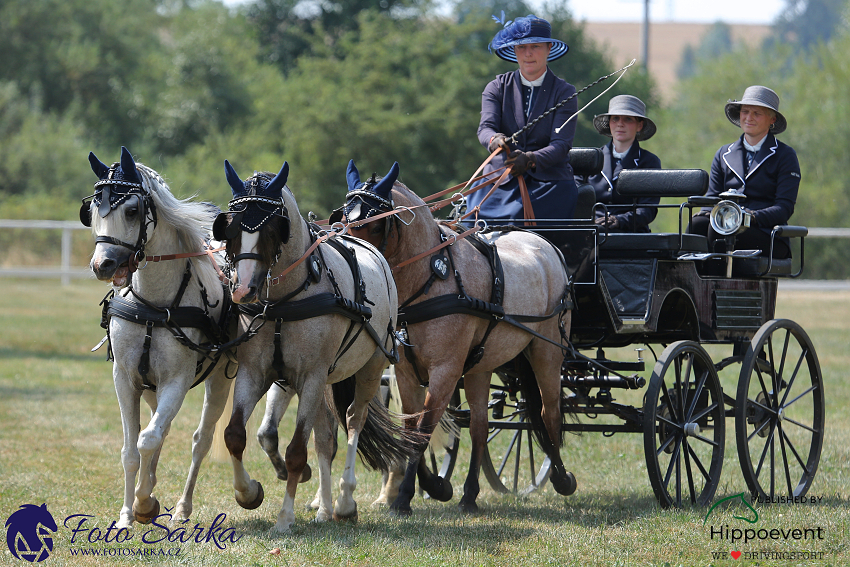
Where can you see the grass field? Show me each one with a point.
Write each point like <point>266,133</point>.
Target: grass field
<point>60,439</point>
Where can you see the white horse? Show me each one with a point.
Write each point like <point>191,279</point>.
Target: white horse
<point>327,319</point>
<point>162,319</point>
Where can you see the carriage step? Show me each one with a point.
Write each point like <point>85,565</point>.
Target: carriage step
<point>633,382</point>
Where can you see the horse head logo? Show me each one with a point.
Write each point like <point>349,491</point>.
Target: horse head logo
<point>743,500</point>
<point>29,533</point>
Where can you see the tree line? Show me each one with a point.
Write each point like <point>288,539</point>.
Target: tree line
<point>185,84</point>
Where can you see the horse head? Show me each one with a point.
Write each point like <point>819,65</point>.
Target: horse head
<point>368,199</point>
<point>125,210</point>
<point>255,227</point>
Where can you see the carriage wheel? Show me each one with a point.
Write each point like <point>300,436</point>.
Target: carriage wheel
<point>684,426</point>
<point>520,467</point>
<point>779,415</point>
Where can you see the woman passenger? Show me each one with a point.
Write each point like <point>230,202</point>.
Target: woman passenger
<point>626,124</point>
<point>760,167</point>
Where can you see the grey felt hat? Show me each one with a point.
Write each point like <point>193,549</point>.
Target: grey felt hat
<point>625,105</point>
<point>757,96</point>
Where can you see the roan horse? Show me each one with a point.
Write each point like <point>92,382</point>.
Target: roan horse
<point>460,306</point>
<point>327,319</point>
<point>162,320</point>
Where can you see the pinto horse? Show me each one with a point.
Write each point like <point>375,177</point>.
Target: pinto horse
<point>328,319</point>
<point>162,320</point>
<point>449,333</point>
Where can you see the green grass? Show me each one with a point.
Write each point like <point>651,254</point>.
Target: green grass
<point>60,440</point>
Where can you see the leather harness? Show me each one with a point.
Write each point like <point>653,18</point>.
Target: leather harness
<point>451,304</point>
<point>326,303</point>
<point>174,318</point>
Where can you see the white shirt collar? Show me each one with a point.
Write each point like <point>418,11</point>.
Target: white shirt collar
<point>754,148</point>
<point>535,83</point>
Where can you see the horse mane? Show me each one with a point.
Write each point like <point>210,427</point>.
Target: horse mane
<point>190,219</point>
<point>423,221</point>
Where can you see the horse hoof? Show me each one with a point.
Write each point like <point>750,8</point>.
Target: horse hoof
<point>468,507</point>
<point>146,517</point>
<point>400,511</point>
<point>256,502</point>
<point>306,474</point>
<point>565,485</point>
<point>441,490</point>
<point>352,518</point>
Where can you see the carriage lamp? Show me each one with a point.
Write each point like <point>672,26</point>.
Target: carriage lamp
<point>728,218</point>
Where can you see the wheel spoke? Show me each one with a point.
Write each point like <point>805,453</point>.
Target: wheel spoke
<point>517,458</point>
<point>686,452</point>
<point>794,375</point>
<point>798,424</point>
<point>704,412</point>
<point>669,402</point>
<point>507,454</point>
<point>532,469</point>
<point>764,424</point>
<point>697,392</point>
<point>782,364</point>
<point>766,447</point>
<point>793,450</point>
<point>706,440</point>
<point>785,461</point>
<point>663,447</point>
<point>800,396</point>
<point>673,461</point>
<point>699,464</point>
<point>683,387</point>
<point>667,421</point>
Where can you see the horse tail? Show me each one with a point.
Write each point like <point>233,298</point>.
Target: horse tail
<point>530,391</point>
<point>383,443</point>
<point>443,435</point>
<point>218,451</point>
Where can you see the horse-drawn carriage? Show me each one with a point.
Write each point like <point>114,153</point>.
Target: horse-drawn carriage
<point>560,288</point>
<point>668,289</point>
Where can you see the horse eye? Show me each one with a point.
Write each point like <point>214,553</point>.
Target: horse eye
<point>377,229</point>
<point>131,212</point>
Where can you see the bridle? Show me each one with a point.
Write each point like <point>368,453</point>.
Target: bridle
<point>108,195</point>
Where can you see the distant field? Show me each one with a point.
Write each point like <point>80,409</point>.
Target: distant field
<point>622,42</point>
<point>60,439</point>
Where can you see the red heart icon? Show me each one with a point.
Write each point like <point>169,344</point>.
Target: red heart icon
<point>735,554</point>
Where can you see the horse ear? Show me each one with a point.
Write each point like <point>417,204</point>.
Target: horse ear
<point>237,187</point>
<point>385,186</point>
<point>275,186</point>
<point>100,169</point>
<point>352,176</point>
<point>128,165</point>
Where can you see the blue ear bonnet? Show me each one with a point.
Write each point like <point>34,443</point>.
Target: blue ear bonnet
<point>523,30</point>
<point>255,201</point>
<point>366,199</point>
<point>116,185</point>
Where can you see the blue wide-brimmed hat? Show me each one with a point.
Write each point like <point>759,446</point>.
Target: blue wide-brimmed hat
<point>523,30</point>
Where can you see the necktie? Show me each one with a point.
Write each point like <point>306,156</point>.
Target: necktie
<point>750,156</point>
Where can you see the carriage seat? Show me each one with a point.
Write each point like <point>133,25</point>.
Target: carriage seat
<point>585,162</point>
<point>762,266</point>
<point>658,183</point>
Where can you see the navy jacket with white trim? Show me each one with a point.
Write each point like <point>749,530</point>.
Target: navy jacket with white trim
<point>770,186</point>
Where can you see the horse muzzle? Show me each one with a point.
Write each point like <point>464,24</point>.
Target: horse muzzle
<point>247,289</point>
<point>112,265</point>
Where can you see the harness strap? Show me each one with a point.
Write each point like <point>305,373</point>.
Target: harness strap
<point>527,209</point>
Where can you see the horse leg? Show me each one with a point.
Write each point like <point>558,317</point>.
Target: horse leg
<point>129,400</point>
<point>368,381</point>
<point>436,400</point>
<point>477,388</point>
<point>309,405</point>
<point>215,397</point>
<point>168,401</point>
<point>277,401</point>
<point>546,362</point>
<point>411,398</point>
<point>247,391</point>
<point>324,437</point>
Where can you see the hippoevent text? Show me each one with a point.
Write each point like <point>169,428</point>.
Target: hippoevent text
<point>746,535</point>
<point>158,533</point>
